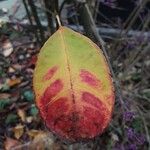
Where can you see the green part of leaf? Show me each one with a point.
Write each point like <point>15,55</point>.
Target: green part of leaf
<point>34,111</point>
<point>28,95</point>
<point>4,103</point>
<point>11,118</point>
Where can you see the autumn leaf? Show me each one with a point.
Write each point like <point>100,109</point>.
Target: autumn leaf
<point>42,141</point>
<point>10,143</point>
<point>7,48</point>
<point>18,131</point>
<point>13,82</point>
<point>73,87</point>
<point>21,114</point>
<point>33,133</point>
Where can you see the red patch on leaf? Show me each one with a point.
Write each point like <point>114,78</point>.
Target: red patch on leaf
<point>50,73</point>
<point>68,122</point>
<point>89,78</point>
<point>57,117</point>
<point>63,120</point>
<point>94,121</point>
<point>52,91</point>
<point>91,99</point>
<point>49,93</point>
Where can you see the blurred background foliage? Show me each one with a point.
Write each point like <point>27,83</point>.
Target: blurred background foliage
<point>120,28</point>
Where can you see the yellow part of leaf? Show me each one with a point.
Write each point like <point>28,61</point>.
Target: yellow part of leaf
<point>73,52</point>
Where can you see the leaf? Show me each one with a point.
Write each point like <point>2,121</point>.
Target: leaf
<point>4,95</point>
<point>21,113</point>
<point>33,111</point>
<point>33,133</point>
<point>11,118</point>
<point>42,141</point>
<point>4,103</point>
<point>28,95</point>
<point>11,70</point>
<point>29,119</point>
<point>7,48</point>
<point>10,143</point>
<point>73,86</point>
<point>13,82</point>
<point>18,131</point>
<point>4,87</point>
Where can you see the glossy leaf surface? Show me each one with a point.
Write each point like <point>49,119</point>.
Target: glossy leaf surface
<point>73,87</point>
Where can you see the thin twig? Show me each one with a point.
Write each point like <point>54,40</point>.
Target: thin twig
<point>50,16</point>
<point>62,6</point>
<point>132,19</point>
<point>139,52</point>
<point>29,17</point>
<point>34,13</point>
<point>136,15</point>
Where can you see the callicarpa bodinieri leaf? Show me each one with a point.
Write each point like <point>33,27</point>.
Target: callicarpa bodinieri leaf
<point>73,87</point>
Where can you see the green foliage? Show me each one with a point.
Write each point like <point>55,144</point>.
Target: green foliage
<point>1,72</point>
<point>33,111</point>
<point>4,103</point>
<point>11,118</point>
<point>4,87</point>
<point>28,95</point>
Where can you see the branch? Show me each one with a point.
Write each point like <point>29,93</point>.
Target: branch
<point>29,17</point>
<point>50,16</point>
<point>35,15</point>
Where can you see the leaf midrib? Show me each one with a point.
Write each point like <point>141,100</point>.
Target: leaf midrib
<point>68,66</point>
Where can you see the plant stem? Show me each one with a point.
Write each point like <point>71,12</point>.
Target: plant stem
<point>37,20</point>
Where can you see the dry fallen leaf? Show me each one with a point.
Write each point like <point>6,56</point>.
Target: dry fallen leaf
<point>12,82</point>
<point>114,137</point>
<point>18,131</point>
<point>42,141</point>
<point>4,95</point>
<point>29,119</point>
<point>17,66</point>
<point>33,133</point>
<point>21,114</point>
<point>10,143</point>
<point>11,70</point>
<point>7,48</point>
